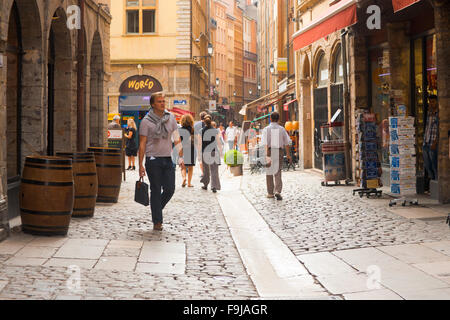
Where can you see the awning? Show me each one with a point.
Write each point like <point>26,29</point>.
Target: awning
<point>178,113</point>
<point>402,4</point>
<point>286,105</point>
<point>243,110</point>
<point>265,116</point>
<point>338,16</point>
<point>181,112</point>
<point>289,102</point>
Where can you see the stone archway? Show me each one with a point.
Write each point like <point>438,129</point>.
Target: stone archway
<point>305,115</point>
<point>24,94</point>
<point>60,98</point>
<point>97,113</point>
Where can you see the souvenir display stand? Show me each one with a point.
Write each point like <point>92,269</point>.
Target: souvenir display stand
<point>402,160</point>
<point>368,167</point>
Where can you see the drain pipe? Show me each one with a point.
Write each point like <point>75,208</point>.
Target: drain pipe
<point>81,121</point>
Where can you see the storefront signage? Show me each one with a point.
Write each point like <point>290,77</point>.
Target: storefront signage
<point>179,102</point>
<point>282,64</point>
<point>212,105</point>
<point>140,85</point>
<point>282,87</point>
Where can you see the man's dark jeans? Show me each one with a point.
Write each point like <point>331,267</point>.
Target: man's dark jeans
<point>161,173</point>
<point>430,161</point>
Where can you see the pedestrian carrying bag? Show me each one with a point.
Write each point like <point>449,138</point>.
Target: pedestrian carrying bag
<point>141,192</point>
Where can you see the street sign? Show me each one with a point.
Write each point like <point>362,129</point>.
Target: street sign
<point>179,102</point>
<point>212,105</point>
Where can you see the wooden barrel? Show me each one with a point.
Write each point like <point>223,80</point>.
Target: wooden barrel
<point>46,195</point>
<point>109,173</point>
<point>85,179</point>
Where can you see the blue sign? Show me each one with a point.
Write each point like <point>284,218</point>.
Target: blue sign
<point>179,102</point>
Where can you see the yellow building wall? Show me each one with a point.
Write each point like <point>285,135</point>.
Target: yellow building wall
<point>159,46</point>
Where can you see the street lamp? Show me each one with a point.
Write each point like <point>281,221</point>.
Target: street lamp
<point>210,49</point>
<point>272,69</point>
<point>217,81</point>
<point>234,93</point>
<point>250,91</point>
<point>259,86</point>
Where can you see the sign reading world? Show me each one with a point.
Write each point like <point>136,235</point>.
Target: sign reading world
<point>140,85</point>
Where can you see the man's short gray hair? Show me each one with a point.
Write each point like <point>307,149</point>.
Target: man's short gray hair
<point>116,117</point>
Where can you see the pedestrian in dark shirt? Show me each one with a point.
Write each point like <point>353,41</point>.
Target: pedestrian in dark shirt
<point>211,151</point>
<point>131,145</point>
<point>431,138</point>
<point>188,141</point>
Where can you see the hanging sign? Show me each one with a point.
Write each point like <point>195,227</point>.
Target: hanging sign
<point>140,85</point>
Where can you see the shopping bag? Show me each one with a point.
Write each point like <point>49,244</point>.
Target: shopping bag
<point>141,192</point>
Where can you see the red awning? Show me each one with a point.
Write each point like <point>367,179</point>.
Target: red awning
<point>402,4</point>
<point>182,112</point>
<point>338,16</point>
<point>289,102</point>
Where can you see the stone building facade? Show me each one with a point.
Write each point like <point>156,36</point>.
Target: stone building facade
<point>402,62</point>
<point>167,42</point>
<point>52,84</point>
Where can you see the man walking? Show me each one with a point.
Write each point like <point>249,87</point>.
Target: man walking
<point>431,138</point>
<point>231,135</point>
<point>198,126</point>
<point>275,138</point>
<point>155,135</point>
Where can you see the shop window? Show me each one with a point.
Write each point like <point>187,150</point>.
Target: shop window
<point>141,16</point>
<point>322,71</point>
<point>338,67</point>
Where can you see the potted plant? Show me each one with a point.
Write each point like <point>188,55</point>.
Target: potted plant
<point>235,160</point>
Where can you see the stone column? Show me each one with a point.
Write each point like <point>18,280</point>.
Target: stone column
<point>358,74</point>
<point>442,21</point>
<point>4,225</point>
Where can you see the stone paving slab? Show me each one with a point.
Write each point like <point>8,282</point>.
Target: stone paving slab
<point>414,253</point>
<point>440,246</point>
<point>324,264</point>
<point>440,270</point>
<point>36,252</point>
<point>345,283</point>
<point>382,294</point>
<point>79,252</point>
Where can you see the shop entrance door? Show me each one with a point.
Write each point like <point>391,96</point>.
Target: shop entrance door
<point>320,118</point>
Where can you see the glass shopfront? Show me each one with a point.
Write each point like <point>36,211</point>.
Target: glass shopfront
<point>380,97</point>
<point>424,84</point>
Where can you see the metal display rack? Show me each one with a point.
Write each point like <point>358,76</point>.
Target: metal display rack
<point>368,166</point>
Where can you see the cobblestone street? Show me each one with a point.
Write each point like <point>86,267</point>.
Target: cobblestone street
<point>213,266</point>
<point>208,251</point>
<point>312,218</point>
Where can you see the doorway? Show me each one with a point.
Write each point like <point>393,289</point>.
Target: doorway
<point>320,118</point>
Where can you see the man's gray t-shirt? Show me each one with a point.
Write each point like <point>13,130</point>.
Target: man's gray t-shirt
<point>156,145</point>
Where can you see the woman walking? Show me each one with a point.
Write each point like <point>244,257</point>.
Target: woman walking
<point>211,151</point>
<point>187,140</point>
<point>131,145</point>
